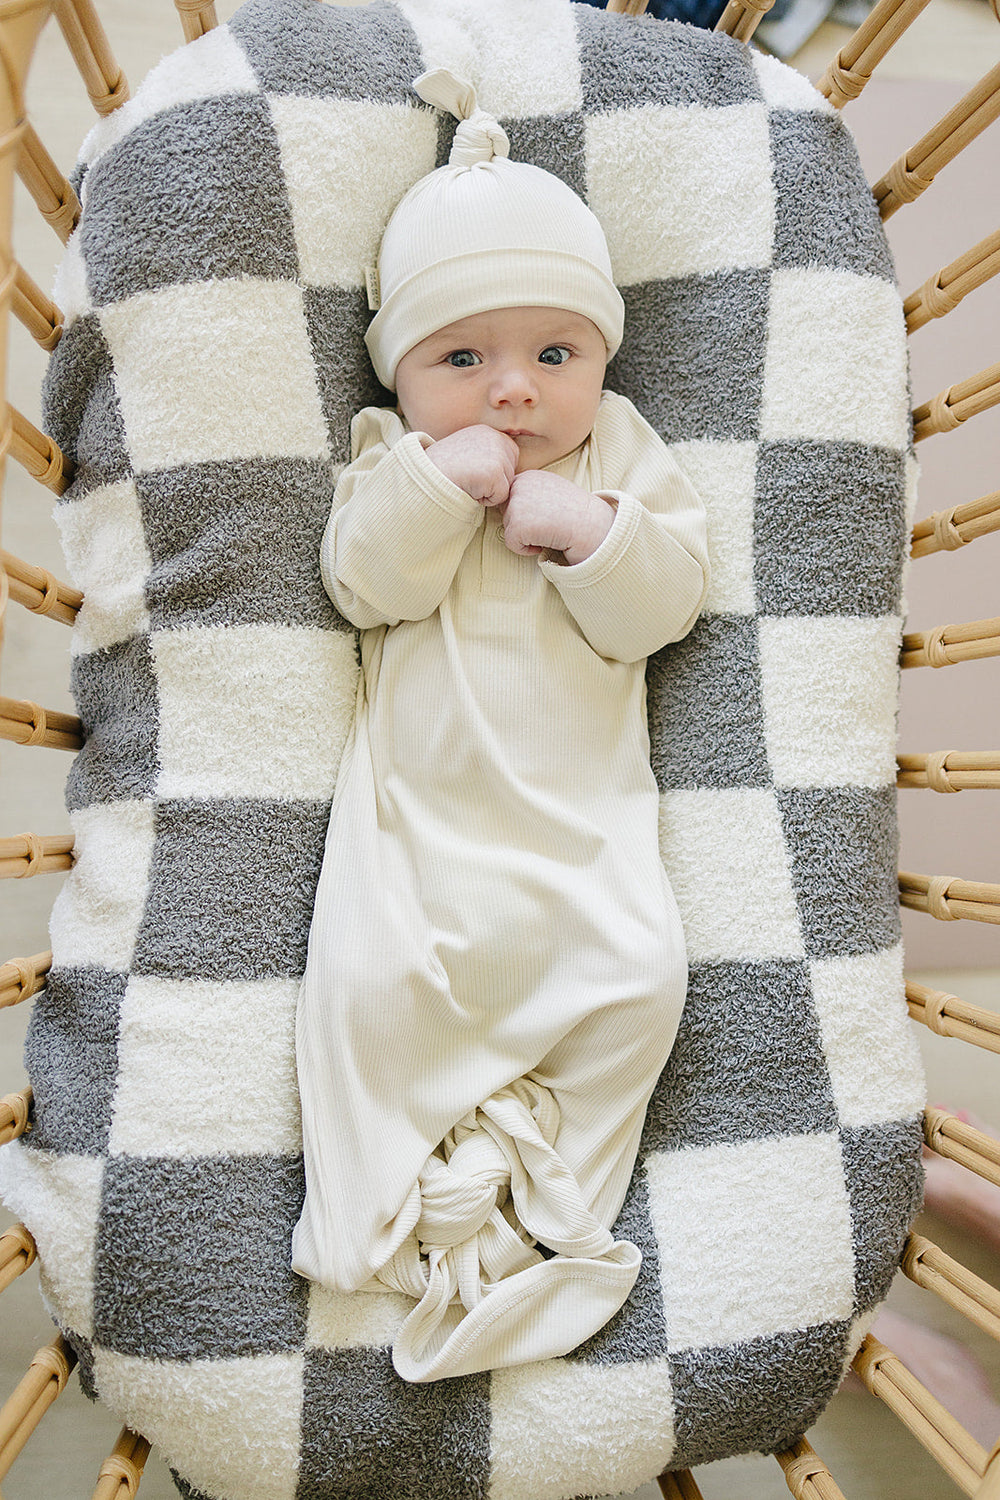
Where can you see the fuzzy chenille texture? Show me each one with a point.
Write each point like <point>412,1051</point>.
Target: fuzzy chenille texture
<point>212,360</point>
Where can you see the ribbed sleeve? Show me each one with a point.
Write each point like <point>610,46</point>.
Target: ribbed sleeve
<point>398,527</point>
<point>645,584</point>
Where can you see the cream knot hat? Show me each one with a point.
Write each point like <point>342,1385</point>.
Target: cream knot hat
<point>481,233</point>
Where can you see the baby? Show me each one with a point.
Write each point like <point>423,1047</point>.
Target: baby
<point>496,965</point>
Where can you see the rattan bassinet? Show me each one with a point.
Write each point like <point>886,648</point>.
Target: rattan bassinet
<point>27,724</point>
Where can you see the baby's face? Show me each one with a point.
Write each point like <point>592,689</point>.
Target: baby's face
<point>535,373</point>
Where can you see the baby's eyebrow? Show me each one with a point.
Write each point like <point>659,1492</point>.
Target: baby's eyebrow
<point>452,340</point>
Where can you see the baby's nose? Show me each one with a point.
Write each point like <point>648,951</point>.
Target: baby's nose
<point>514,385</point>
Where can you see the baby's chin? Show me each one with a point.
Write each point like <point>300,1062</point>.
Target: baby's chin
<point>539,453</point>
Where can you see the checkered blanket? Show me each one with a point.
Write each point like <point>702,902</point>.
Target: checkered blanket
<point>212,360</point>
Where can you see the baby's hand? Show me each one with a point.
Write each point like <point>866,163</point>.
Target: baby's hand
<point>545,511</point>
<point>480,460</point>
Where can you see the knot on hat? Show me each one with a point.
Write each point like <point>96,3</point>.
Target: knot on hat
<point>479,137</point>
<point>462,241</point>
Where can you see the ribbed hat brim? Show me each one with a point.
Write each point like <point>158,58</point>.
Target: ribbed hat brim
<point>481,281</point>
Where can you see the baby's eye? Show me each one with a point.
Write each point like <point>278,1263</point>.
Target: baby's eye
<point>463,359</point>
<point>555,354</point>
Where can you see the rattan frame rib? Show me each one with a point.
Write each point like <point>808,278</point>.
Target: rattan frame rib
<point>947,1015</point>
<point>957,403</point>
<point>122,1469</point>
<point>87,41</point>
<point>943,291</point>
<point>53,193</point>
<point>17,1253</point>
<point>948,898</point>
<point>947,530</point>
<point>806,1475</point>
<point>15,1115</point>
<point>927,1265</point>
<point>741,18</point>
<point>679,1485</point>
<point>34,451</point>
<point>30,854</point>
<point>21,978</point>
<point>197,17</point>
<point>45,1380</point>
<point>27,723</point>
<point>947,645</point>
<point>39,590</point>
<point>959,1141</point>
<point>854,64</point>
<point>39,314</point>
<point>913,172</point>
<point>947,1441</point>
<point>950,770</point>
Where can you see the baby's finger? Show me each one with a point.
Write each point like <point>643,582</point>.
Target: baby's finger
<point>514,541</point>
<point>513,451</point>
<point>499,492</point>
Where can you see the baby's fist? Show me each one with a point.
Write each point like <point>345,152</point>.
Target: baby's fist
<point>480,460</point>
<point>547,513</point>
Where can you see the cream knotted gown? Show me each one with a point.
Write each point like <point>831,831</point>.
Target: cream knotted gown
<point>496,965</point>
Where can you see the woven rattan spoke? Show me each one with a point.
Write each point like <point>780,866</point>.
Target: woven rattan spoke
<point>46,1379</point>
<point>679,1486</point>
<point>946,288</point>
<point>741,18</point>
<point>947,645</point>
<point>948,898</point>
<point>20,978</point>
<point>928,1266</point>
<point>949,1136</point>
<point>15,1115</point>
<point>39,314</point>
<point>88,42</point>
<point>17,1253</point>
<point>806,1475</point>
<point>627,7</point>
<point>196,18</point>
<point>950,770</point>
<point>857,59</point>
<point>33,854</point>
<point>957,403</point>
<point>945,1439</point>
<point>908,177</point>
<point>42,458</point>
<point>947,1015</point>
<point>947,530</point>
<point>39,590</point>
<point>122,1470</point>
<point>28,723</point>
<point>54,194</point>
<point>990,1487</point>
<point>17,42</point>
